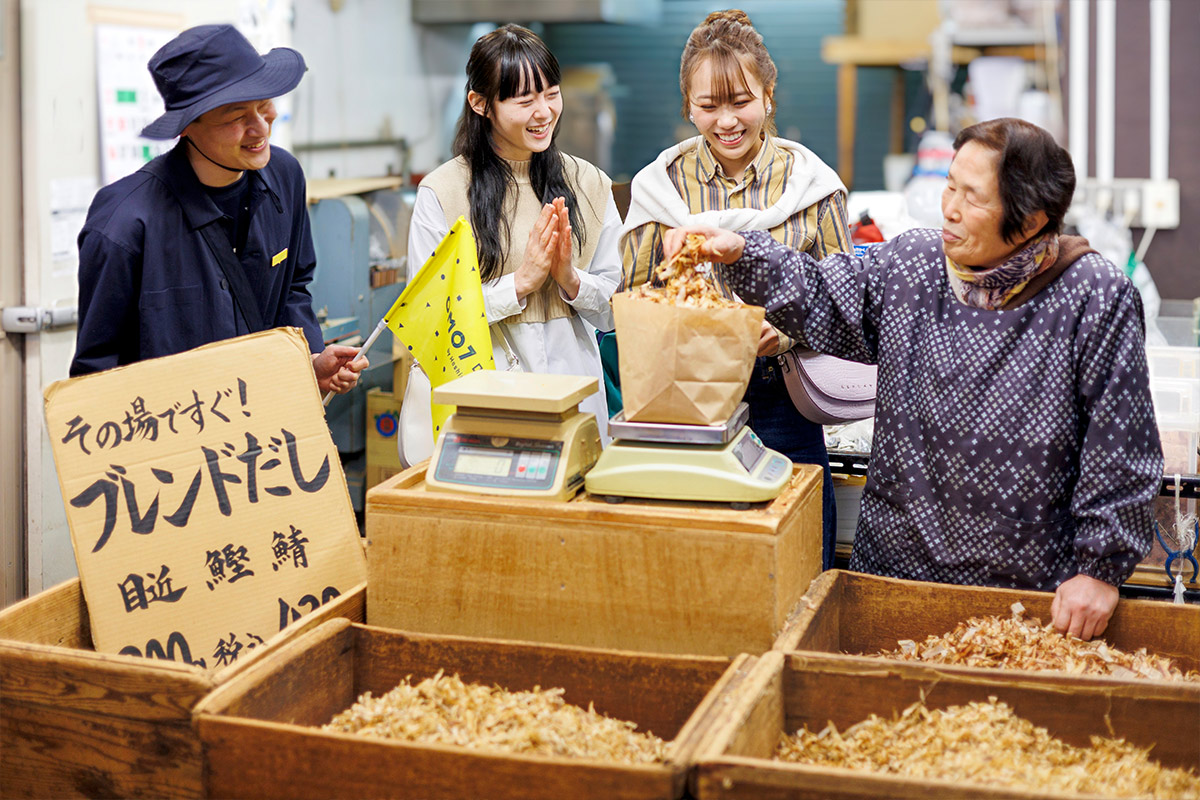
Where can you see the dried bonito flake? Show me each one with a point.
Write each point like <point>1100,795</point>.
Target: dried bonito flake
<point>987,743</point>
<point>680,283</point>
<point>445,710</point>
<point>1019,643</point>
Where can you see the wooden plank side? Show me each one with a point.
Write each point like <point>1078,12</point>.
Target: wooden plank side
<point>56,752</point>
<point>102,684</point>
<point>757,697</point>
<point>712,710</point>
<point>822,689</point>
<point>597,585</point>
<point>798,545</point>
<point>260,760</point>
<point>304,681</point>
<point>58,616</point>
<point>751,779</point>
<point>407,491</point>
<point>877,612</point>
<point>659,693</point>
<point>814,621</point>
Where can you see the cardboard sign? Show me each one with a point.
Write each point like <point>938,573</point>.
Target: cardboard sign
<point>205,496</point>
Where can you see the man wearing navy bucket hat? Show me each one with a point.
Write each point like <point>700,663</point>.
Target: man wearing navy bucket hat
<point>210,240</point>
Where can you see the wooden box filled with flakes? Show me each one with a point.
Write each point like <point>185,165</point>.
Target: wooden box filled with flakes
<point>815,727</point>
<point>1006,633</point>
<point>78,723</point>
<point>455,717</point>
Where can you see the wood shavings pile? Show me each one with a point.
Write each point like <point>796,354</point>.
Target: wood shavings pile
<point>987,743</point>
<point>1020,643</point>
<point>445,710</point>
<point>679,283</point>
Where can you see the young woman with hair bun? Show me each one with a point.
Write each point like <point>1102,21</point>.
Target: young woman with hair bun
<point>738,174</point>
<point>545,223</point>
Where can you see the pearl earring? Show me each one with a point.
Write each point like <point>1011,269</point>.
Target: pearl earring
<point>768,108</point>
<point>691,119</point>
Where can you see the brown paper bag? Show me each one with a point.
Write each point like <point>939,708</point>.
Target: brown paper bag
<point>682,364</point>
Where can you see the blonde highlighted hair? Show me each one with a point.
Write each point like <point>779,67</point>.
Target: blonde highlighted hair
<point>727,37</point>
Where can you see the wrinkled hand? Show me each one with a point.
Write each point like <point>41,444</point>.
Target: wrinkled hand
<point>768,340</point>
<point>721,246</point>
<point>540,252</point>
<point>563,269</point>
<point>1083,605</point>
<point>337,369</point>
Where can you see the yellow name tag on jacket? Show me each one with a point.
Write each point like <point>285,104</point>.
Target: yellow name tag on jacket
<point>278,257</point>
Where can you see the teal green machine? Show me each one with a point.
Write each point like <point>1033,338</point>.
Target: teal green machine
<point>360,240</point>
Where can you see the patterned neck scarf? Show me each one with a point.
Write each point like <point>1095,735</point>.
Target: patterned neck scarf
<point>992,288</point>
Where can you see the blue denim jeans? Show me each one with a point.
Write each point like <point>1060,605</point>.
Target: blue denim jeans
<point>781,427</point>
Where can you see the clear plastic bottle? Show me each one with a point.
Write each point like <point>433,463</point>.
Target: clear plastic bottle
<point>923,194</point>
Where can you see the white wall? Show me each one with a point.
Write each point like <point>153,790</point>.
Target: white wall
<point>375,74</point>
<point>372,74</point>
<point>60,140</point>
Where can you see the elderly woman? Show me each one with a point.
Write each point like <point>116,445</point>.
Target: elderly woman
<point>1015,442</point>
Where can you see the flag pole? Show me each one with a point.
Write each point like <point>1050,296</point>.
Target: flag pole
<point>365,347</point>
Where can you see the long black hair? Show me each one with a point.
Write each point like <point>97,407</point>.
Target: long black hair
<point>508,62</point>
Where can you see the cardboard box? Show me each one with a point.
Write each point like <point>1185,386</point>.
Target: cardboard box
<point>848,613</point>
<point>652,576</point>
<point>77,723</point>
<point>383,425</point>
<point>205,497</point>
<point>787,691</point>
<point>888,19</point>
<point>262,740</point>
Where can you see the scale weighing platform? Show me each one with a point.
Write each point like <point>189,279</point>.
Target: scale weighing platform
<point>515,433</point>
<point>725,463</point>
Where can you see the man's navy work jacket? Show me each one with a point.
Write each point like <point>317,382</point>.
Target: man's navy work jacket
<point>149,283</point>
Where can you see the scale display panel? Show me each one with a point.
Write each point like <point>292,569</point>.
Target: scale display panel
<point>748,450</point>
<point>498,462</point>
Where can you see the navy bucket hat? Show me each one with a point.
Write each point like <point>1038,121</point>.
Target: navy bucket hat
<point>213,65</point>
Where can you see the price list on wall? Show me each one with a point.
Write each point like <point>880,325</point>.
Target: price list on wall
<point>128,99</point>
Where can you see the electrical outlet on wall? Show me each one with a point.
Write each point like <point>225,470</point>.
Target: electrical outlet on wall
<point>1160,204</point>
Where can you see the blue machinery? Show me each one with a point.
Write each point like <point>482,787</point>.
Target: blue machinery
<point>360,240</point>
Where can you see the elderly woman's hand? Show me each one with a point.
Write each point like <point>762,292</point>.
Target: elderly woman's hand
<point>1083,605</point>
<point>719,245</point>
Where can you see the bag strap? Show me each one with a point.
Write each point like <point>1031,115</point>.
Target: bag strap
<point>514,363</point>
<point>187,192</point>
<point>239,284</point>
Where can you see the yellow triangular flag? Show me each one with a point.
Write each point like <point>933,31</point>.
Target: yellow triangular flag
<point>440,316</point>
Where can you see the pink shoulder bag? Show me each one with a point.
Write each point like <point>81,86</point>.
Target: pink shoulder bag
<point>828,390</point>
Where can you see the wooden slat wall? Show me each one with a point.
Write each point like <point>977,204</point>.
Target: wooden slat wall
<point>646,63</point>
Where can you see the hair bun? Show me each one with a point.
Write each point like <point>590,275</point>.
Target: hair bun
<point>729,15</point>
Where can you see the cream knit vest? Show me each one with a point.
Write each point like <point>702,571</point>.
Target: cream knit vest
<point>592,190</point>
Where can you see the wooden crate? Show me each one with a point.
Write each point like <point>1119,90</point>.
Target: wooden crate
<point>644,575</point>
<point>77,723</point>
<point>850,613</point>
<point>786,691</point>
<point>261,740</point>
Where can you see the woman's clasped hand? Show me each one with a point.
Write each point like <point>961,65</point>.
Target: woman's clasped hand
<point>548,253</point>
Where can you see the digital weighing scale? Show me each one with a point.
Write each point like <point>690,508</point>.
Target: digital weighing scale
<point>515,433</point>
<point>724,463</point>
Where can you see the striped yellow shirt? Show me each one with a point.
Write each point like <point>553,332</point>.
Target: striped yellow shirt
<point>818,230</point>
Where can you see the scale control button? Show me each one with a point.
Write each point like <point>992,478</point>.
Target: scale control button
<point>523,465</point>
<point>774,469</point>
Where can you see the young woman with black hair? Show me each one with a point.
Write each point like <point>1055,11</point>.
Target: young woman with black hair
<point>545,223</point>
